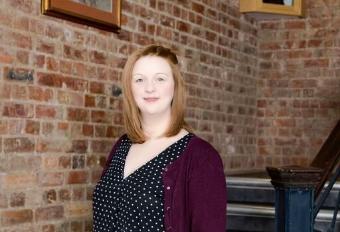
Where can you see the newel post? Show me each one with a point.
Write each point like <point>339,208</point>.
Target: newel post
<point>294,197</point>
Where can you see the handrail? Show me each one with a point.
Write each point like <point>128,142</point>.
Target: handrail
<point>323,196</point>
<point>328,157</point>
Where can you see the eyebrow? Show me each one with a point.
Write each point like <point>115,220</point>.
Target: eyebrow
<point>155,74</point>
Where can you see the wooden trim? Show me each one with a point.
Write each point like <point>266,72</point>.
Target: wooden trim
<point>81,13</point>
<point>258,6</point>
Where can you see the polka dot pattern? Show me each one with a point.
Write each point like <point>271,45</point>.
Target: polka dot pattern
<point>134,203</point>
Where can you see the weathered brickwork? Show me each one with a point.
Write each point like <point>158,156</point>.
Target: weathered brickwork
<point>298,87</point>
<point>263,93</point>
<point>57,129</point>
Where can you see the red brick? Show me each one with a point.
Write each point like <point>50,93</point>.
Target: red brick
<point>18,144</point>
<point>22,6</point>
<point>74,53</point>
<point>52,145</point>
<point>3,127</point>
<point>78,194</point>
<point>70,98</point>
<point>77,114</point>
<point>97,87</point>
<point>101,146</point>
<point>51,80</point>
<point>98,57</point>
<point>42,111</point>
<point>79,69</point>
<point>65,67</point>
<point>199,8</point>
<point>50,163</point>
<point>18,40</point>
<point>87,130</point>
<point>95,176</point>
<point>52,64</point>
<point>99,116</point>
<point>15,217</point>
<point>270,25</point>
<point>3,201</point>
<point>50,196</point>
<point>284,122</point>
<point>18,110</point>
<point>78,161</point>
<point>77,177</point>
<point>65,162</point>
<point>32,127</point>
<point>49,213</point>
<point>22,57</point>
<point>19,92</point>
<point>17,199</point>
<point>48,228</point>
<point>304,83</point>
<point>51,179</point>
<point>45,47</point>
<point>298,24</point>
<point>167,21</point>
<point>79,146</point>
<point>39,94</point>
<point>314,43</point>
<point>64,195</point>
<point>20,180</point>
<point>316,63</point>
<point>54,31</point>
<point>39,61</point>
<point>183,26</point>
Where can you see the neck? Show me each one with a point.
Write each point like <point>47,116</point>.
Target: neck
<point>154,126</point>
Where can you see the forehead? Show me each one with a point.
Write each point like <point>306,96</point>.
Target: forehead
<point>151,64</point>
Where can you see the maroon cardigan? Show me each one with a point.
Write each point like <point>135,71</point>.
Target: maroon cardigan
<point>195,197</point>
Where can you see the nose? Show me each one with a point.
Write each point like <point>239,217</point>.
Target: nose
<point>150,86</point>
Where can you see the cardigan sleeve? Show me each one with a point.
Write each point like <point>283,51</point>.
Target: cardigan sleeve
<point>207,193</point>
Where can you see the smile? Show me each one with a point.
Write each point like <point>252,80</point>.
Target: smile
<point>151,99</point>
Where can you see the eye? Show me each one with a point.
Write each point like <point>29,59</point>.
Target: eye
<point>161,77</point>
<point>138,78</point>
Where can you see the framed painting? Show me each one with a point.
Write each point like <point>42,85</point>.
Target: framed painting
<point>103,14</point>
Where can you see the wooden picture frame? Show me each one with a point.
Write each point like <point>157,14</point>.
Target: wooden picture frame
<point>258,6</point>
<point>81,11</point>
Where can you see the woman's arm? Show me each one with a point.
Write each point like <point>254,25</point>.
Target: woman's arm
<point>207,194</point>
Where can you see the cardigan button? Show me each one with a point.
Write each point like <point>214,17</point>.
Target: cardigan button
<point>168,208</point>
<point>168,188</point>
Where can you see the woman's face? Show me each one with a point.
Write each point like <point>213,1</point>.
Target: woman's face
<point>152,85</point>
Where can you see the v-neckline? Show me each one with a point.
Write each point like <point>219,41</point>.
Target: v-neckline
<point>149,161</point>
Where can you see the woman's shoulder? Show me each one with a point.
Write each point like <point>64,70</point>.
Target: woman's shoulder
<point>200,143</point>
<point>201,149</point>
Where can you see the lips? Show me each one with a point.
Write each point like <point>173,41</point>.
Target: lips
<point>151,99</point>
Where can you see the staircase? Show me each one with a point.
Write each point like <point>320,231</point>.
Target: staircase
<point>251,200</point>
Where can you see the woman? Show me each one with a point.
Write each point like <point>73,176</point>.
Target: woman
<point>159,176</point>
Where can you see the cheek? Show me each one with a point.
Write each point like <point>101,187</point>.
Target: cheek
<point>169,90</point>
<point>136,90</point>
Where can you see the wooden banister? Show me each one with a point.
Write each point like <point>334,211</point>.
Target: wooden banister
<point>328,157</point>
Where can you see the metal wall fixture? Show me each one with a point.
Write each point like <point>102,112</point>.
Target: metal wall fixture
<point>20,76</point>
<point>116,90</point>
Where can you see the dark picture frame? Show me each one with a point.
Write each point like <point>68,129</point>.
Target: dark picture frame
<point>280,2</point>
<point>73,10</point>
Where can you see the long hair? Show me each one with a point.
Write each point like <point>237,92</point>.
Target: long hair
<point>131,113</point>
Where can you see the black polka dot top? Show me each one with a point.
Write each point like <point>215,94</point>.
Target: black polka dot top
<point>134,203</point>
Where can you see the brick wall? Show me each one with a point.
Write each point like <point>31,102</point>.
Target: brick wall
<point>298,91</point>
<point>56,130</point>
